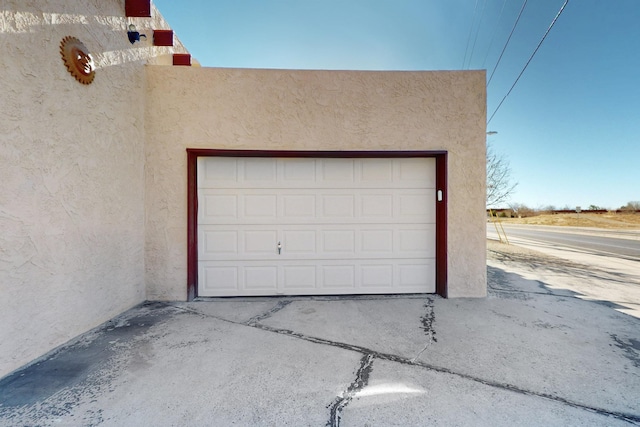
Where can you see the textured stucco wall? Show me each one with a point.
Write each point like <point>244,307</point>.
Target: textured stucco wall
<point>71,173</point>
<point>312,110</point>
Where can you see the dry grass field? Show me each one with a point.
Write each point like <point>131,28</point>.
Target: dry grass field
<point>609,220</point>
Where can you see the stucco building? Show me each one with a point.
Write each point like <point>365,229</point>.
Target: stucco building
<point>157,181</point>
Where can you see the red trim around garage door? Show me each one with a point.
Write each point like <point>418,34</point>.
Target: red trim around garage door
<point>192,200</point>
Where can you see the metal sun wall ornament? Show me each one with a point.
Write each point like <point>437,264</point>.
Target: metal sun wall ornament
<point>77,59</point>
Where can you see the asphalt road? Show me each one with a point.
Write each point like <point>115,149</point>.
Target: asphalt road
<point>621,244</point>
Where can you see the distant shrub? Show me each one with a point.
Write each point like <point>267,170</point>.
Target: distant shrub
<point>631,207</point>
<point>522,211</point>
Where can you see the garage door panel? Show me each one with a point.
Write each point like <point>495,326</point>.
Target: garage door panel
<point>259,242</point>
<point>340,277</point>
<point>416,275</point>
<point>345,226</point>
<point>416,240</point>
<point>260,206</point>
<point>216,172</point>
<point>416,172</point>
<point>214,208</point>
<point>376,241</point>
<point>376,205</point>
<point>415,205</point>
<point>337,243</point>
<point>225,172</point>
<point>219,242</point>
<point>218,280</point>
<point>298,171</point>
<point>264,277</point>
<point>335,206</point>
<point>377,276</point>
<point>300,278</point>
<point>376,171</point>
<point>317,242</point>
<point>299,242</point>
<point>259,171</point>
<point>338,171</point>
<point>338,206</point>
<point>215,243</point>
<point>298,206</point>
<point>336,277</point>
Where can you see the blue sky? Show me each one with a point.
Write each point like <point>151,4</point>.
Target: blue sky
<point>570,129</point>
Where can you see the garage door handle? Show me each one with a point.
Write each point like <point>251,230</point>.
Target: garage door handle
<point>279,248</point>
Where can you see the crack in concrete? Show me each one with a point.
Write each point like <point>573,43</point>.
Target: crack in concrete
<point>279,306</point>
<point>427,326</point>
<point>405,361</point>
<point>428,320</point>
<point>420,364</point>
<point>361,381</point>
<point>420,352</point>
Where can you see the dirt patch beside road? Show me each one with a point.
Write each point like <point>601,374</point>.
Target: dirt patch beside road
<point>611,220</point>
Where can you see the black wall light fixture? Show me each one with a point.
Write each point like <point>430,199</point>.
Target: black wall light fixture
<point>135,36</point>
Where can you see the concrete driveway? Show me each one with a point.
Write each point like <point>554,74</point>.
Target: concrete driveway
<point>525,355</point>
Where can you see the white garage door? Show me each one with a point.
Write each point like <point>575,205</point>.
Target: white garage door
<point>305,226</point>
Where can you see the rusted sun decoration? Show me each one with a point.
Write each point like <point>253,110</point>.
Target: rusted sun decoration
<point>78,60</point>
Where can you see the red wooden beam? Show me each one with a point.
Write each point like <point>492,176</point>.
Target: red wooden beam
<point>442,287</point>
<point>181,59</point>
<point>163,37</point>
<point>138,8</point>
<point>192,224</point>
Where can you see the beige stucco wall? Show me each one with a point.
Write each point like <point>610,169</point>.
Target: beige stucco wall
<point>312,110</point>
<point>71,173</point>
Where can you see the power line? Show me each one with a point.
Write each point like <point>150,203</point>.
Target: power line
<point>495,31</point>
<point>532,55</point>
<point>475,10</point>
<point>507,43</point>
<point>473,48</point>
